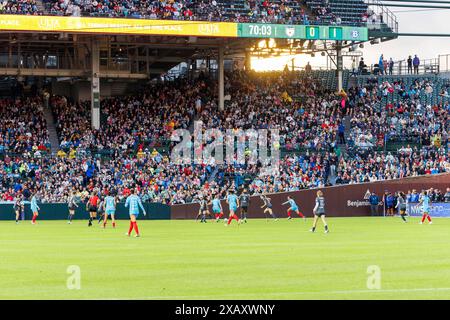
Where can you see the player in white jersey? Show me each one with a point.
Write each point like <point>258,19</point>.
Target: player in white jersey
<point>72,205</point>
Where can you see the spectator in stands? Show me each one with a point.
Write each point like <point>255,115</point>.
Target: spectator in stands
<point>416,63</point>
<point>381,64</point>
<point>409,62</point>
<point>374,201</point>
<point>341,133</point>
<point>447,196</point>
<point>391,66</point>
<point>362,66</point>
<point>308,68</point>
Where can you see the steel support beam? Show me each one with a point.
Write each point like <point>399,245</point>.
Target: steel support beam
<point>95,84</point>
<point>220,62</point>
<point>339,65</point>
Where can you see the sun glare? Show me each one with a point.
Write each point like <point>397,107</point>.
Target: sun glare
<point>273,63</point>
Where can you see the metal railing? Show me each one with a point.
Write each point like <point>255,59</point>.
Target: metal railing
<point>381,19</point>
<point>400,67</point>
<point>444,62</point>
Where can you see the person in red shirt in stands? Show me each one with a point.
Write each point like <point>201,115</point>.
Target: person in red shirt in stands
<point>7,196</point>
<point>126,192</point>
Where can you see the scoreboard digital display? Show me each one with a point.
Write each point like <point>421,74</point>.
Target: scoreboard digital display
<point>263,30</point>
<point>178,28</point>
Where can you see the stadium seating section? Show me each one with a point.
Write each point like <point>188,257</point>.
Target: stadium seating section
<point>345,12</point>
<point>380,128</point>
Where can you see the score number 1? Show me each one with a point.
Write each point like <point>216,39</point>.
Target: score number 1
<point>335,33</point>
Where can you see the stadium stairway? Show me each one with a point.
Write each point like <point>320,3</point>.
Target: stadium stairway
<point>192,124</point>
<point>352,82</point>
<point>51,127</point>
<point>347,124</point>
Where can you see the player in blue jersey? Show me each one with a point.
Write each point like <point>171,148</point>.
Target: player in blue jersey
<point>109,206</point>
<point>34,208</point>
<point>217,208</point>
<point>134,203</point>
<point>425,203</point>
<point>293,208</point>
<point>233,205</point>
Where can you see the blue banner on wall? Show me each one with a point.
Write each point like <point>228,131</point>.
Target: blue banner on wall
<point>439,209</point>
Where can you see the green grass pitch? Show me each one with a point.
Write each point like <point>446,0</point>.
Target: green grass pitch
<point>258,260</point>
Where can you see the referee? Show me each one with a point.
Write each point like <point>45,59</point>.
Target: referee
<point>319,211</point>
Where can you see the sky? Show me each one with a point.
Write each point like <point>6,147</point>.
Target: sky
<point>429,21</point>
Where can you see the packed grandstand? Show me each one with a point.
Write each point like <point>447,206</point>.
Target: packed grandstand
<point>377,129</point>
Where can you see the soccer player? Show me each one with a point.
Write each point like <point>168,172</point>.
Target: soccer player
<point>319,212</point>
<point>91,206</point>
<point>401,205</point>
<point>19,208</point>
<point>293,208</point>
<point>134,202</point>
<point>217,208</point>
<point>34,208</point>
<point>233,205</point>
<point>203,211</point>
<point>244,200</point>
<point>109,206</point>
<point>267,206</point>
<point>72,204</point>
<point>425,202</point>
<point>100,210</point>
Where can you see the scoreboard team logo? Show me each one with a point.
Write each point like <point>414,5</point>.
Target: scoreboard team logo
<point>355,34</point>
<point>290,31</point>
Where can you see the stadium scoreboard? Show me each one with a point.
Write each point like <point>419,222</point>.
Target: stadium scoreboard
<point>91,25</point>
<point>262,30</point>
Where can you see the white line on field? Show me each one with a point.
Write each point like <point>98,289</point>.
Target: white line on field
<point>286,293</point>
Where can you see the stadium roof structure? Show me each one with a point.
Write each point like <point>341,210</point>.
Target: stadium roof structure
<point>123,49</point>
<point>141,48</point>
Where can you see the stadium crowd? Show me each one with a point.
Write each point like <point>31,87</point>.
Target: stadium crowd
<point>261,11</point>
<point>284,11</point>
<point>132,147</point>
<point>22,126</point>
<point>130,123</point>
<point>28,7</point>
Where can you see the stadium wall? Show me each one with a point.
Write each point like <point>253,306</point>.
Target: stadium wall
<point>59,211</point>
<point>341,201</point>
